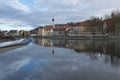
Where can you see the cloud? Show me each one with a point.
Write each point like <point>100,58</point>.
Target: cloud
<point>15,4</point>
<point>64,10</point>
<point>9,21</point>
<point>101,7</point>
<point>74,10</point>
<point>40,12</point>
<point>15,26</point>
<point>13,12</point>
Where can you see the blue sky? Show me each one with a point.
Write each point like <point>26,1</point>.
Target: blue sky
<point>29,3</point>
<point>34,13</point>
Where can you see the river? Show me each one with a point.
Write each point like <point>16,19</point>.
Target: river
<point>46,59</point>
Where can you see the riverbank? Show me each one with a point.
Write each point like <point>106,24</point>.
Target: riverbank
<point>80,37</point>
<point>11,47</point>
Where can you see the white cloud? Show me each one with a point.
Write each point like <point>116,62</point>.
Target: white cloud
<point>9,21</point>
<point>13,67</point>
<point>102,7</point>
<point>14,4</point>
<point>15,27</point>
<point>70,2</point>
<point>103,12</point>
<point>74,10</point>
<point>13,11</point>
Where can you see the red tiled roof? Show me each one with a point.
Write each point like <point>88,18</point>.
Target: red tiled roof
<point>49,27</point>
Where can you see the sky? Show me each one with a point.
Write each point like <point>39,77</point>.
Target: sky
<point>28,14</point>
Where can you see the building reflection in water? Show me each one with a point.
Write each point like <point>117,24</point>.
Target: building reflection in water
<point>51,44</point>
<point>109,51</point>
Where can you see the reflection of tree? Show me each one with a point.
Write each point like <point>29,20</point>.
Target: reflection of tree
<point>113,60</point>
<point>109,51</point>
<point>93,56</point>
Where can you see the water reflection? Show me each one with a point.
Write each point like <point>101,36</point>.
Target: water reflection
<point>62,60</point>
<point>107,50</point>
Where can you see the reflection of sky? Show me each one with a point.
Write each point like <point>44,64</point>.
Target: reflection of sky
<point>32,64</point>
<point>11,68</point>
<point>37,63</point>
<point>27,67</point>
<point>24,66</point>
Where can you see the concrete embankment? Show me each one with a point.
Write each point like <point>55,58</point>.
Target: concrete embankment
<point>5,46</point>
<point>8,48</point>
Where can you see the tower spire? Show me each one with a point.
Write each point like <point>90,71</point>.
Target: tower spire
<point>53,20</point>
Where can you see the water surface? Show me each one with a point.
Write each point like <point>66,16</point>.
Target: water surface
<point>62,60</point>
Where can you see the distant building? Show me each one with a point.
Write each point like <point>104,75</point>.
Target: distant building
<point>5,32</point>
<point>1,34</point>
<point>34,32</point>
<point>117,29</point>
<point>46,30</point>
<point>24,33</point>
<point>13,33</point>
<point>104,28</point>
<point>80,31</point>
<point>40,31</point>
<point>58,32</point>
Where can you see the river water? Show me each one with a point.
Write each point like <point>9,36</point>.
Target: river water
<point>62,60</point>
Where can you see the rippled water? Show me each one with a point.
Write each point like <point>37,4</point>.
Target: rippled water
<point>62,60</point>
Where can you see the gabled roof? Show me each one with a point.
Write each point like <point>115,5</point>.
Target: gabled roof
<point>56,27</point>
<point>48,27</point>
